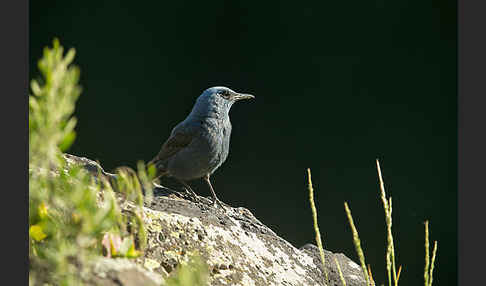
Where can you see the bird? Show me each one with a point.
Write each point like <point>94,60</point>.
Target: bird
<point>199,144</point>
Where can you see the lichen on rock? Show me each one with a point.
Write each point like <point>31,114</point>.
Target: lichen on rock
<point>237,248</point>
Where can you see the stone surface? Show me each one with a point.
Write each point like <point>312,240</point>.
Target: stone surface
<point>120,271</point>
<point>237,247</point>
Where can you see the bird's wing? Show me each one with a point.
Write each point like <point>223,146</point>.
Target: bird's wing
<point>179,139</point>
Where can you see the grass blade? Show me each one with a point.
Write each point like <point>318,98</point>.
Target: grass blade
<point>357,243</point>
<point>434,252</point>
<point>340,272</point>
<point>316,227</point>
<point>427,258</point>
<point>390,252</point>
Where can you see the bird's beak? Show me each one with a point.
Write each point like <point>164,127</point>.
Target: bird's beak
<point>241,96</point>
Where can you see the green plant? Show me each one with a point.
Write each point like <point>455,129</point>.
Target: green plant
<point>66,219</point>
<point>316,226</point>
<point>69,212</point>
<point>390,249</point>
<point>73,217</point>
<point>357,243</point>
<point>429,264</point>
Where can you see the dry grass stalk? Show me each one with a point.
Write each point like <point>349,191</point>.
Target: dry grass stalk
<point>434,252</point>
<point>357,243</point>
<point>398,274</point>
<point>316,227</point>
<point>339,271</point>
<point>390,252</point>
<point>427,258</point>
<point>429,263</point>
<point>372,281</point>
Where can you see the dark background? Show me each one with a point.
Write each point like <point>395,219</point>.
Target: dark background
<point>337,85</point>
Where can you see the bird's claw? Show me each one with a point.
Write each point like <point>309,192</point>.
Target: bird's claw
<point>192,194</point>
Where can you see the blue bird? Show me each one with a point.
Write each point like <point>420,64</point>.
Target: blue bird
<point>198,145</point>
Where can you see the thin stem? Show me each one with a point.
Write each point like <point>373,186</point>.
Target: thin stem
<point>316,227</point>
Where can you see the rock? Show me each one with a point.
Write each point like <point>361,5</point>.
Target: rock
<point>120,271</point>
<point>237,247</point>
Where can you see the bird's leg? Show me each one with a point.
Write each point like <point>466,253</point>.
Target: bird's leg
<point>216,200</point>
<point>189,190</point>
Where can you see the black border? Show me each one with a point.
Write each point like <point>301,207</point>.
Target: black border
<point>14,31</point>
<point>14,25</point>
<point>471,140</point>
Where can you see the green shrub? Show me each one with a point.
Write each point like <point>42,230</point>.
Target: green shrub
<point>72,216</point>
<point>69,213</point>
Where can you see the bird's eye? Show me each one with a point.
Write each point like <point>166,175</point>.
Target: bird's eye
<point>224,94</point>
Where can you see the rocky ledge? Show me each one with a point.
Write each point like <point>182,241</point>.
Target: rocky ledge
<point>236,246</point>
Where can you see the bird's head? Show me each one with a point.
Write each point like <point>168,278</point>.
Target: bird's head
<point>218,99</point>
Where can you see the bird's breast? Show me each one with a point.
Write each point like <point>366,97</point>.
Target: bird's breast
<point>219,132</point>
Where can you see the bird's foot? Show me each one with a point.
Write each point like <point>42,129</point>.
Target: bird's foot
<point>192,194</point>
